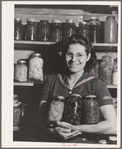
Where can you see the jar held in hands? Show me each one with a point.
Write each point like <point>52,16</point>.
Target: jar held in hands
<point>73,110</point>
<point>91,110</point>
<point>56,109</point>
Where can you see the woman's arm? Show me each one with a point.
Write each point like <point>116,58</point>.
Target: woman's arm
<point>108,126</point>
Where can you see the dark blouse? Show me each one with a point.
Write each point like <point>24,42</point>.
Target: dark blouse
<point>88,84</point>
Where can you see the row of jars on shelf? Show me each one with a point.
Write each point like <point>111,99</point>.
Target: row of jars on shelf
<point>106,70</point>
<point>58,31</point>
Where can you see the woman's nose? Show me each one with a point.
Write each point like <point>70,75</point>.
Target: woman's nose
<point>74,58</point>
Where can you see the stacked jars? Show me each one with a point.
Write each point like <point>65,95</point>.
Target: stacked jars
<point>106,69</point>
<point>43,30</point>
<point>94,30</point>
<point>68,29</point>
<point>83,29</point>
<point>31,30</point>
<point>18,29</point>
<point>35,68</point>
<point>56,31</point>
<point>21,71</point>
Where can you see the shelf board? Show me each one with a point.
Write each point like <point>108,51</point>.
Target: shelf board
<point>112,86</point>
<point>23,84</point>
<point>27,83</point>
<point>32,84</point>
<point>98,47</point>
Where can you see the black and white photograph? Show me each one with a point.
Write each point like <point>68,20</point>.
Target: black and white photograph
<point>61,74</point>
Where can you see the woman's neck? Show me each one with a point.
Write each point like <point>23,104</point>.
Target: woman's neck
<point>76,76</point>
<point>73,78</point>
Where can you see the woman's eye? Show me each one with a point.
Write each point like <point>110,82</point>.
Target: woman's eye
<point>79,55</point>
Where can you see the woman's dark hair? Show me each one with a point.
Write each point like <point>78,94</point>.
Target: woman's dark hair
<point>88,48</point>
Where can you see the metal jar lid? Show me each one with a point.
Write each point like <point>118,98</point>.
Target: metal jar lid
<point>84,23</point>
<point>91,96</point>
<point>56,21</point>
<point>69,21</point>
<point>113,138</point>
<point>103,142</point>
<point>18,20</point>
<point>94,18</point>
<point>59,97</point>
<point>31,20</point>
<point>76,95</point>
<point>36,55</point>
<point>21,61</point>
<point>110,17</point>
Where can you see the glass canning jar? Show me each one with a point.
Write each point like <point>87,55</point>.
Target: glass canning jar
<point>73,110</point>
<point>69,28</point>
<point>90,110</point>
<point>17,111</point>
<point>110,30</point>
<point>106,69</point>
<point>21,71</point>
<point>35,68</point>
<point>18,29</point>
<point>56,31</point>
<point>115,69</point>
<point>56,109</point>
<point>83,29</point>
<point>43,30</point>
<point>31,30</point>
<point>94,30</point>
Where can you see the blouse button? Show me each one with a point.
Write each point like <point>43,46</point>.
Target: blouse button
<point>70,92</point>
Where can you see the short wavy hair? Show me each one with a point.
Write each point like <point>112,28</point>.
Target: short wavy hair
<point>88,48</point>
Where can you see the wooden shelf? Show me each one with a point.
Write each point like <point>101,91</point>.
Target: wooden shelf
<point>32,84</point>
<point>112,86</point>
<point>98,47</point>
<point>26,83</point>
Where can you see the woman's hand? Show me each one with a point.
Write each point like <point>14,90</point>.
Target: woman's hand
<point>66,130</point>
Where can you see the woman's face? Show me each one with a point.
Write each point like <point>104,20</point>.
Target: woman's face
<point>76,57</point>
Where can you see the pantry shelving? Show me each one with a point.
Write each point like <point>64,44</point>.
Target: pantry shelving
<point>32,84</point>
<point>98,47</point>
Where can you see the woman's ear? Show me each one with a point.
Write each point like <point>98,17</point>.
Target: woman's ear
<point>88,57</point>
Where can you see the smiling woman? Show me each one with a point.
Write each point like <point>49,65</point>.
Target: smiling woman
<point>77,78</point>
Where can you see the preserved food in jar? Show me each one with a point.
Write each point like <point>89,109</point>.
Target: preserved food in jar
<point>91,110</point>
<point>83,29</point>
<point>18,29</point>
<point>110,30</point>
<point>17,111</point>
<point>94,30</point>
<point>73,110</point>
<point>35,68</point>
<point>112,140</point>
<point>106,69</point>
<point>56,31</point>
<point>68,29</point>
<point>115,68</point>
<point>21,71</point>
<point>43,30</point>
<point>56,109</point>
<point>31,30</point>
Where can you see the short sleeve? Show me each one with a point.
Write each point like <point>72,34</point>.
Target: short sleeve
<point>47,87</point>
<point>102,93</point>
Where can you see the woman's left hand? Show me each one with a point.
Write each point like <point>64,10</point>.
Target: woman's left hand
<point>66,125</point>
